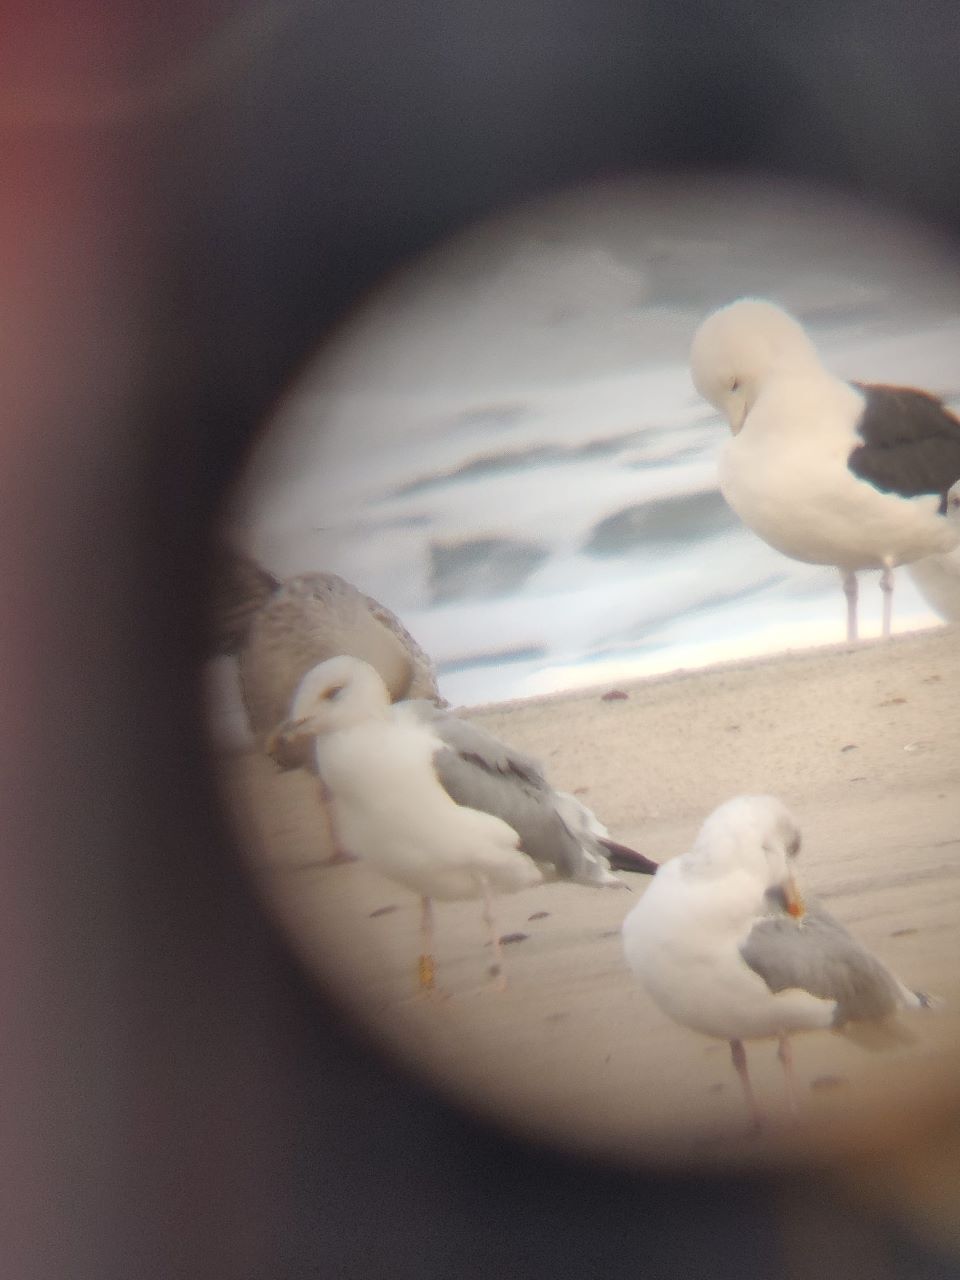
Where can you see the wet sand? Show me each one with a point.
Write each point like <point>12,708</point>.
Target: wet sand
<point>862,742</point>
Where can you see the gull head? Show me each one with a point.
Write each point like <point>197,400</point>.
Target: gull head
<point>758,836</point>
<point>337,694</point>
<point>738,347</point>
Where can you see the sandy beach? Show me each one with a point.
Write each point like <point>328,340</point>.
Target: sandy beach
<point>862,742</point>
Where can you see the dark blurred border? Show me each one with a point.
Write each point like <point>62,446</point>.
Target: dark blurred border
<point>193,194</point>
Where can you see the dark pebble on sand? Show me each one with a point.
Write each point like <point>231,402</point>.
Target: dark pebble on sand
<point>828,1082</point>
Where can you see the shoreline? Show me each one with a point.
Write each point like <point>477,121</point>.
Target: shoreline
<point>749,660</point>
<point>782,657</point>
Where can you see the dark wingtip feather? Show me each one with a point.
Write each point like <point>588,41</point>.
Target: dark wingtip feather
<point>623,858</point>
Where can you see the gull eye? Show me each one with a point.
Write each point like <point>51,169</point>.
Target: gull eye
<point>334,692</point>
<point>735,385</point>
<point>793,848</point>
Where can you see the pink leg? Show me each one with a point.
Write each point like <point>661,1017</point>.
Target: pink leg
<point>849,579</point>
<point>738,1053</point>
<point>886,586</point>
<point>785,1054</point>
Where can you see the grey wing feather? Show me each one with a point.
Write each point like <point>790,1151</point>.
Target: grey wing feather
<point>471,740</point>
<point>818,955</point>
<point>479,771</point>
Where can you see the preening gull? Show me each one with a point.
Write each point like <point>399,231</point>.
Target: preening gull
<point>938,577</point>
<point>826,471</point>
<point>437,804</point>
<point>280,629</point>
<point>725,945</point>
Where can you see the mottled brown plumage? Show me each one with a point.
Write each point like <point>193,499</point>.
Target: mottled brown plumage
<point>280,629</point>
<point>239,588</point>
<point>314,617</point>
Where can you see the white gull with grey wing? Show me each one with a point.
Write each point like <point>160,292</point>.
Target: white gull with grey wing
<point>724,945</point>
<point>480,771</point>
<point>379,766</point>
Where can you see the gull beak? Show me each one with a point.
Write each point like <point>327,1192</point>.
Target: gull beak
<point>793,900</point>
<point>287,745</point>
<point>736,418</point>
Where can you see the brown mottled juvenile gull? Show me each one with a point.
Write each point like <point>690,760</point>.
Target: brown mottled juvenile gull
<point>724,944</point>
<point>405,815</point>
<point>316,616</point>
<point>280,629</point>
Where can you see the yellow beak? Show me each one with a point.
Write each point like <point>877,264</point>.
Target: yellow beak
<point>794,901</point>
<point>287,746</point>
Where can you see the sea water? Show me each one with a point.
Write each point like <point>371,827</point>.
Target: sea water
<point>504,446</point>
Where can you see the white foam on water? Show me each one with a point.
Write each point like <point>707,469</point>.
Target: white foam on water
<point>523,387</point>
